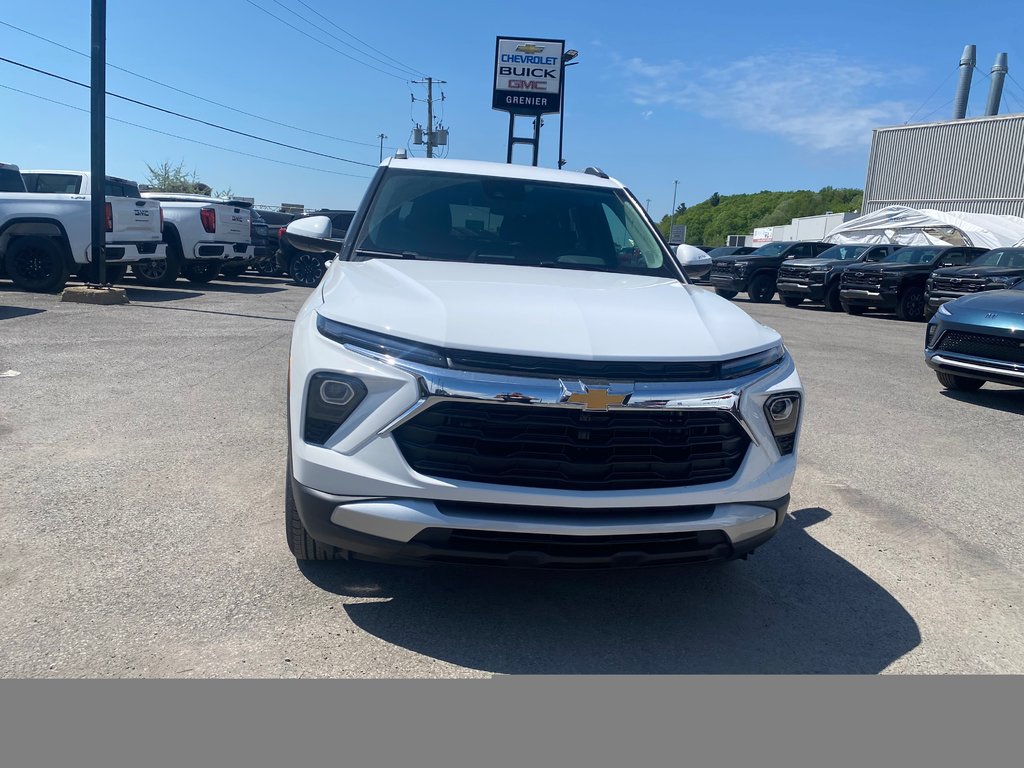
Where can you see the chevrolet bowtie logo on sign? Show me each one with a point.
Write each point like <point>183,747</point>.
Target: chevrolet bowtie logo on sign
<point>596,398</point>
<point>530,48</point>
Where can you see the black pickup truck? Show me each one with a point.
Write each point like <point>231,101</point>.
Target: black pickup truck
<point>993,270</point>
<point>897,282</point>
<point>817,279</point>
<point>755,272</point>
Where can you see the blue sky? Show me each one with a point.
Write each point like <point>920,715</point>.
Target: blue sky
<point>727,97</point>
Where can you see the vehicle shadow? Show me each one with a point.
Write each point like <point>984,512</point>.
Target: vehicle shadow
<point>1006,400</point>
<point>135,293</point>
<point>794,607</point>
<point>257,279</point>
<point>9,313</point>
<point>225,287</point>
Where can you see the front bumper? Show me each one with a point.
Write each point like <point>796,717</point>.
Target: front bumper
<point>358,484</point>
<point>224,251</point>
<point>728,282</point>
<point>429,531</point>
<point>882,298</point>
<point>811,291</point>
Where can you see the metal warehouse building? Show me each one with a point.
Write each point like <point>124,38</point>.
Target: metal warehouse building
<point>974,165</point>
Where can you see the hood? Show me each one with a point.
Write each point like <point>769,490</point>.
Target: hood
<point>808,264</point>
<point>1006,305</point>
<point>563,313</point>
<point>890,268</point>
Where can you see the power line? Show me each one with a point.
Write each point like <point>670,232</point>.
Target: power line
<point>318,40</point>
<point>344,31</point>
<point>189,117</point>
<point>185,138</point>
<point>930,95</point>
<point>193,95</point>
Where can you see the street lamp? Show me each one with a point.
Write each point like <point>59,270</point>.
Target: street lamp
<point>567,61</point>
<point>381,136</point>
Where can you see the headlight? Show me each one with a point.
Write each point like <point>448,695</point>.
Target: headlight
<point>1002,281</point>
<point>741,266</point>
<point>744,366</point>
<point>783,414</point>
<point>330,400</point>
<point>359,340</point>
<point>943,310</point>
<point>821,272</point>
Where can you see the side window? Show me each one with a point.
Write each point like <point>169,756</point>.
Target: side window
<point>954,258</point>
<point>820,247</point>
<point>803,250</point>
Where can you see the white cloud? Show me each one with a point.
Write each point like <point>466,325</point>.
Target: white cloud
<point>646,114</point>
<point>818,101</point>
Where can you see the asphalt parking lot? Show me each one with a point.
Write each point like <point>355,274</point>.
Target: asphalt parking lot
<point>142,452</point>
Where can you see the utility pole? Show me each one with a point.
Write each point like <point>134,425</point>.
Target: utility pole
<point>98,120</point>
<point>433,138</point>
<point>675,188</point>
<point>381,136</point>
<point>647,206</point>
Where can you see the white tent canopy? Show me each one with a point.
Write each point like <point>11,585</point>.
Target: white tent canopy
<point>911,226</point>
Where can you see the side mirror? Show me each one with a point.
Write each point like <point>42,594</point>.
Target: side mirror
<point>312,234</point>
<point>695,263</point>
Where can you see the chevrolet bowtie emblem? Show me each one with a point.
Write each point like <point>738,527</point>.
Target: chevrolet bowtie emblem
<point>529,48</point>
<point>596,399</point>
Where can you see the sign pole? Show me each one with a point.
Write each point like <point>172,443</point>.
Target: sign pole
<point>98,120</point>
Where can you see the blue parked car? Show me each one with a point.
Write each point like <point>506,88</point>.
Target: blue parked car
<point>978,338</point>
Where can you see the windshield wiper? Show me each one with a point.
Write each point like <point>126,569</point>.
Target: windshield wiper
<point>387,254</point>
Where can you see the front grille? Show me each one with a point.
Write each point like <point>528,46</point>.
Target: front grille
<point>569,448</point>
<point>958,284</point>
<point>522,365</point>
<point>562,551</point>
<point>859,279</point>
<point>982,345</point>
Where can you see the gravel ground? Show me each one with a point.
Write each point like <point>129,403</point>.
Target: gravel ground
<point>142,450</point>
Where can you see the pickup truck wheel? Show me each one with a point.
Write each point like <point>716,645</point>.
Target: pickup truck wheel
<point>762,289</point>
<point>201,271</point>
<point>160,273</point>
<point>911,305</point>
<point>302,545</point>
<point>792,301</point>
<point>307,269</point>
<point>832,300</point>
<point>726,294</point>
<point>267,266</point>
<point>36,264</point>
<point>959,383</point>
<point>854,309</point>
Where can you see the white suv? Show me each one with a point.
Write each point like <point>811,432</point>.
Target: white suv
<point>507,365</point>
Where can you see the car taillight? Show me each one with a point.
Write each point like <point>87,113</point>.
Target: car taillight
<point>161,218</point>
<point>108,217</point>
<point>209,218</point>
<point>280,232</point>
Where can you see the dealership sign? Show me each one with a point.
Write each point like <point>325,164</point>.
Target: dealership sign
<point>528,76</point>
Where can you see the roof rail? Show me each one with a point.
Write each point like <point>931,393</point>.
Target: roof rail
<point>595,172</point>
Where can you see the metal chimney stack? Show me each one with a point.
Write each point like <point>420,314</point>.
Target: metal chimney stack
<point>995,91</point>
<point>963,88</point>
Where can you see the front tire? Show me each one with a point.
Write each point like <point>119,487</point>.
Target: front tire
<point>911,305</point>
<point>37,264</point>
<point>200,271</point>
<point>302,545</point>
<point>959,383</point>
<point>832,300</point>
<point>762,289</point>
<point>307,269</point>
<point>160,273</point>
<point>792,301</point>
<point>726,294</point>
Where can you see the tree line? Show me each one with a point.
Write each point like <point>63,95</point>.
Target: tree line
<point>709,222</point>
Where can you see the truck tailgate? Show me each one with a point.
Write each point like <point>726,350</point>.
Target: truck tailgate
<point>232,224</point>
<point>135,220</point>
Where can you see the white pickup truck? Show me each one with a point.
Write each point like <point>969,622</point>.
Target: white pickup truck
<point>202,235</point>
<point>45,237</point>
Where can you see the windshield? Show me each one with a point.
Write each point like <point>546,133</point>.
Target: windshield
<point>770,249</point>
<point>11,181</point>
<point>842,252</point>
<point>912,256</point>
<point>1004,257</point>
<point>491,220</point>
